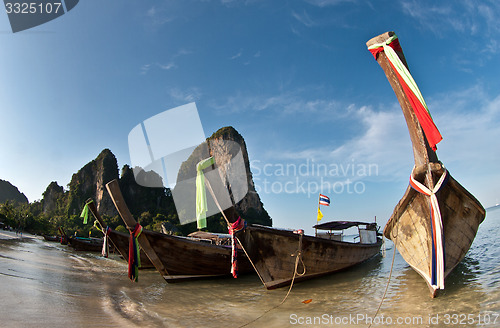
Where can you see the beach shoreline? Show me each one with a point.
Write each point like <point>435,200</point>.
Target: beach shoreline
<point>6,234</point>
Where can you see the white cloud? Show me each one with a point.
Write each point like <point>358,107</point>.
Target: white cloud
<point>238,55</point>
<point>462,17</point>
<point>384,141</point>
<point>304,19</point>
<point>167,66</point>
<point>185,96</point>
<point>157,17</point>
<point>469,121</point>
<point>145,68</point>
<point>328,3</point>
<point>284,104</point>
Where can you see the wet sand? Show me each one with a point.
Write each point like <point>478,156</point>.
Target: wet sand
<point>45,284</point>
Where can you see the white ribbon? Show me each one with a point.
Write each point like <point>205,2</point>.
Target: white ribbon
<point>438,224</point>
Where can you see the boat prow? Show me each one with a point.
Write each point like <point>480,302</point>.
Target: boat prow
<point>410,225</point>
<point>436,221</point>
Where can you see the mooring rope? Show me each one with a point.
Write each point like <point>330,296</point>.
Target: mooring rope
<point>299,257</point>
<point>388,280</point>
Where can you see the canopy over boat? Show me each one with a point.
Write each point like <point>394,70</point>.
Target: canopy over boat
<point>341,225</point>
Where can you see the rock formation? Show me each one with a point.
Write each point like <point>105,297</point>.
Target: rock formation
<point>90,182</point>
<point>53,195</point>
<point>10,192</point>
<point>248,206</point>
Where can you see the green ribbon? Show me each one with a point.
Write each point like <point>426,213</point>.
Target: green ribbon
<point>98,228</point>
<point>85,214</point>
<point>201,197</point>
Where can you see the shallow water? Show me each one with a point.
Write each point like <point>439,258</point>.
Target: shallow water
<point>45,284</point>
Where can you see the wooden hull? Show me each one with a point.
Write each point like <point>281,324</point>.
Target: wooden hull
<point>410,226</point>
<point>52,238</point>
<point>120,240</point>
<point>187,259</point>
<point>271,252</point>
<point>93,245</point>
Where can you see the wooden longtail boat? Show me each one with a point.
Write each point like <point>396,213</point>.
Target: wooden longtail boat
<point>434,224</point>
<point>280,256</point>
<point>64,237</point>
<point>85,244</point>
<point>52,238</point>
<point>180,258</point>
<point>119,240</point>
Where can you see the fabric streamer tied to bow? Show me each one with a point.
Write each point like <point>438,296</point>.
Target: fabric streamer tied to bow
<point>438,261</point>
<point>134,257</point>
<point>236,226</point>
<point>85,214</point>
<point>201,197</point>
<point>389,47</point>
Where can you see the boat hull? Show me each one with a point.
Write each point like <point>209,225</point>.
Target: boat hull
<point>410,226</point>
<point>187,259</point>
<point>85,245</point>
<point>52,238</point>
<point>273,253</point>
<point>120,240</point>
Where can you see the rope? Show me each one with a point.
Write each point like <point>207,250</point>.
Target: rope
<point>299,256</point>
<point>389,279</point>
<point>251,262</point>
<point>216,202</point>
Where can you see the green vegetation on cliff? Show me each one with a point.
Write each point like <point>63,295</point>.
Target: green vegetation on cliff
<point>154,208</point>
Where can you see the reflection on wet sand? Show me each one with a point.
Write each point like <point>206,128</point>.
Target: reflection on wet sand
<point>46,284</point>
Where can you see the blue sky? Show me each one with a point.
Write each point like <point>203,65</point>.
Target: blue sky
<point>293,77</point>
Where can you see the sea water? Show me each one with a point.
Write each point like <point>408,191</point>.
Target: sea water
<point>44,284</point>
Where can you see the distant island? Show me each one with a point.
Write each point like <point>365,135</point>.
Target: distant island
<point>493,207</point>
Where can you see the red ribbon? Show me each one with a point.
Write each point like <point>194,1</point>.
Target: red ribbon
<point>133,257</point>
<point>424,118</point>
<point>236,226</point>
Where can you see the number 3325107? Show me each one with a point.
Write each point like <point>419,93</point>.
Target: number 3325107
<point>33,7</point>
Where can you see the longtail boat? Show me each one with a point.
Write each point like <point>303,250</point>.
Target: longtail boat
<point>179,258</point>
<point>120,240</point>
<point>52,238</point>
<point>436,221</point>
<point>276,254</point>
<point>282,256</point>
<point>64,237</point>
<point>85,244</point>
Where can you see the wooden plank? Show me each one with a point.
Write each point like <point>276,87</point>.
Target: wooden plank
<point>117,197</point>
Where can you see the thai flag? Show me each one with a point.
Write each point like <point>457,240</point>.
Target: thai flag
<point>324,200</point>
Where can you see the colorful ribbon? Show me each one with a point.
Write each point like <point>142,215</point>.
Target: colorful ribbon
<point>134,258</point>
<point>410,88</point>
<point>201,198</point>
<point>105,244</point>
<point>438,264</point>
<point>236,226</point>
<point>85,214</point>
